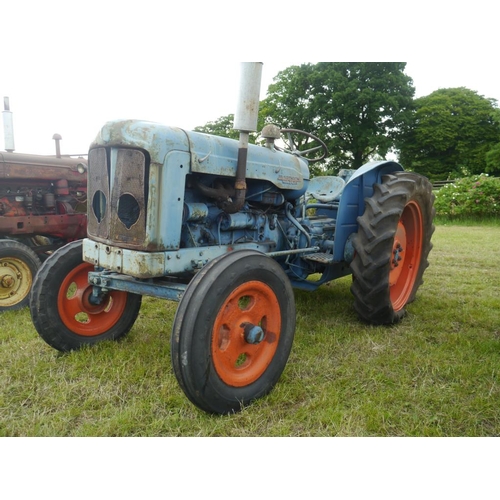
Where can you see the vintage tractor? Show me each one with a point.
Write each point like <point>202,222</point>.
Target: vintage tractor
<point>42,207</point>
<point>228,228</point>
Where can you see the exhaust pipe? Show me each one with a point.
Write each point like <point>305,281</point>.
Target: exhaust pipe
<point>8,126</point>
<point>245,120</point>
<point>57,138</point>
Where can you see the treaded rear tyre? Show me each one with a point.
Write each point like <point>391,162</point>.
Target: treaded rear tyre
<point>392,246</point>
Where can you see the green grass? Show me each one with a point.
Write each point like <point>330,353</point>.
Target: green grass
<point>434,374</point>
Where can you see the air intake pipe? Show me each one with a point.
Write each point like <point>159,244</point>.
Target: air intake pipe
<point>245,120</point>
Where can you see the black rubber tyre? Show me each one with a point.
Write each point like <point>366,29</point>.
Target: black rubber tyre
<point>215,363</point>
<point>18,268</point>
<point>392,246</point>
<point>60,309</point>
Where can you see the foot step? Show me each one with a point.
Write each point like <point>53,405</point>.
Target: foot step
<point>323,258</point>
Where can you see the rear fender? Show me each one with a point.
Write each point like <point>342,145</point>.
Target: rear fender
<point>352,202</point>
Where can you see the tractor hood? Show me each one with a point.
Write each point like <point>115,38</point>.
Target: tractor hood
<point>209,154</point>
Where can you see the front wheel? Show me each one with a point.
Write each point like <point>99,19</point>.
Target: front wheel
<point>233,331</point>
<point>60,307</point>
<point>392,247</point>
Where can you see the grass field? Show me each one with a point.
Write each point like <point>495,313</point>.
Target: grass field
<point>434,374</point>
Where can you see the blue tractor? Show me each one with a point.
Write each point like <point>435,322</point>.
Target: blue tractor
<point>228,229</point>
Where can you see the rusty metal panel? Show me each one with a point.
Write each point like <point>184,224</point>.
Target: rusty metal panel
<point>99,207</point>
<point>128,198</point>
<point>66,226</point>
<point>25,166</point>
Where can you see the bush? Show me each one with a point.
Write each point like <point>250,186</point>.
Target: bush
<point>476,197</point>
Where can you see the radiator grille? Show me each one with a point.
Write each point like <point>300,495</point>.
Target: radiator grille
<point>118,197</point>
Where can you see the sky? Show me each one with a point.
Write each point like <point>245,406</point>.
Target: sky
<point>67,68</point>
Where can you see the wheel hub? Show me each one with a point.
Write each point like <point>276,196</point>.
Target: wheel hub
<point>246,333</point>
<point>7,281</point>
<point>76,310</point>
<point>253,334</point>
<point>398,250</point>
<point>15,281</point>
<point>398,254</point>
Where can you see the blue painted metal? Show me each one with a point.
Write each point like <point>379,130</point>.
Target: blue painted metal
<point>157,264</point>
<point>153,288</point>
<point>352,205</point>
<point>209,154</point>
<point>180,177</point>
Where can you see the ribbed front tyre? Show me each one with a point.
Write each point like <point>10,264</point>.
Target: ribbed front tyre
<point>392,246</point>
<point>233,331</point>
<point>61,310</point>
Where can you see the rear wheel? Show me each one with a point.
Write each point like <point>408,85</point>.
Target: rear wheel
<point>61,310</point>
<point>233,331</point>
<point>18,267</point>
<point>392,247</point>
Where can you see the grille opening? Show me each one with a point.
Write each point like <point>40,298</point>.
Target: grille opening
<point>128,210</point>
<point>99,205</point>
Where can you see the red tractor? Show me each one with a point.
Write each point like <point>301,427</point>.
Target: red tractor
<point>42,207</point>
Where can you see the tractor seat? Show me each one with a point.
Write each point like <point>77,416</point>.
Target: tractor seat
<point>325,188</point>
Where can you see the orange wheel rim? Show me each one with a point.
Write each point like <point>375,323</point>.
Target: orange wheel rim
<point>238,362</point>
<point>78,314</point>
<point>406,255</point>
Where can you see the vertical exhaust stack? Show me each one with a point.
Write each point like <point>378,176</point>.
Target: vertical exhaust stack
<point>57,138</point>
<point>245,120</point>
<point>8,126</point>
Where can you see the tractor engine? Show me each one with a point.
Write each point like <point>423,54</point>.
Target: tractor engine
<point>267,219</point>
<point>34,188</point>
<point>163,211</point>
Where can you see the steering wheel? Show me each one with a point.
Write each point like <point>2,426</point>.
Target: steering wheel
<point>291,145</point>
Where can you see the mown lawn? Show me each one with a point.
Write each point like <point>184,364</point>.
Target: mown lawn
<point>434,374</point>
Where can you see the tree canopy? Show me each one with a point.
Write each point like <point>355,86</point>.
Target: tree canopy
<point>358,109</point>
<point>455,132</point>
<point>362,111</point>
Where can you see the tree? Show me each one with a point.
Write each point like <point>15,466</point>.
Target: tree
<point>493,155</point>
<point>493,160</point>
<point>453,131</point>
<point>359,109</point>
<point>223,127</point>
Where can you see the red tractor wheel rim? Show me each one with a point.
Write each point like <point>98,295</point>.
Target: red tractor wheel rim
<point>406,255</point>
<point>238,362</point>
<point>78,314</point>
